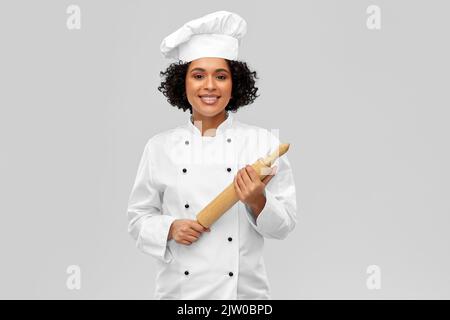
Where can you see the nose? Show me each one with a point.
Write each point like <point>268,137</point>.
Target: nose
<point>210,83</point>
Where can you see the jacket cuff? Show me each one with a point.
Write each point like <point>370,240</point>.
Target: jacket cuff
<point>251,216</point>
<point>153,237</point>
<point>269,219</point>
<point>270,222</point>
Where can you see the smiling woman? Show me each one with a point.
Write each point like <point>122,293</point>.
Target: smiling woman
<point>208,87</point>
<point>174,78</point>
<point>179,175</point>
<point>217,86</point>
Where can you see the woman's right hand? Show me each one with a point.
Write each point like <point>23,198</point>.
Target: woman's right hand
<point>186,231</point>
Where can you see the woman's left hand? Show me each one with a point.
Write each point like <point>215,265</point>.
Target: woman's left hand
<point>249,188</point>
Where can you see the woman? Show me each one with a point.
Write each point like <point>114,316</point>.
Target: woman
<point>183,169</point>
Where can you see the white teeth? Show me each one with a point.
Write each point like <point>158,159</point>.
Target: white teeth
<point>209,100</point>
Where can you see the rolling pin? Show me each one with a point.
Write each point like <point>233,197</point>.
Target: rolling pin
<point>228,197</point>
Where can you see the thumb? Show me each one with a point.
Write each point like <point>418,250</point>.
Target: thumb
<point>270,176</point>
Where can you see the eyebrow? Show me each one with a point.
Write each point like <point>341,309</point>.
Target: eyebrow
<point>201,69</point>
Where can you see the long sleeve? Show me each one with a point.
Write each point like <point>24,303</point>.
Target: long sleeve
<point>146,223</point>
<point>278,217</point>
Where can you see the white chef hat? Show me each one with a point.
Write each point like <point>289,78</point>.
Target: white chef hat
<point>217,34</point>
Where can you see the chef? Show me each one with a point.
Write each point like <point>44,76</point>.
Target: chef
<point>182,169</point>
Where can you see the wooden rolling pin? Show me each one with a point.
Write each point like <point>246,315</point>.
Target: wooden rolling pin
<point>228,197</point>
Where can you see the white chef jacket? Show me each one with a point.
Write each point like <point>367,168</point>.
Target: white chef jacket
<point>180,172</point>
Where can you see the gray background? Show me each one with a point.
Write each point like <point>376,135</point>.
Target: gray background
<point>365,111</point>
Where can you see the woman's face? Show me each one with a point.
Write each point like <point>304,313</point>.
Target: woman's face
<point>208,86</point>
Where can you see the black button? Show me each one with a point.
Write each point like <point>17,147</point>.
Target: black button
<point>230,239</point>
<point>229,169</point>
<point>186,206</point>
<point>184,170</point>
<point>186,142</point>
<point>228,140</point>
<point>230,274</point>
<point>186,272</point>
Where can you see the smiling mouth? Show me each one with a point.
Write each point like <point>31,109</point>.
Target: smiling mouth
<point>209,99</point>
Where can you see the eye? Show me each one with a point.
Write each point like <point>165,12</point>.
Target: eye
<point>199,76</point>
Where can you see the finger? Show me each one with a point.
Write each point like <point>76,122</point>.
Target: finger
<point>237,188</point>
<point>270,175</point>
<point>185,242</point>
<point>241,184</point>
<point>246,178</point>
<point>197,226</point>
<point>252,173</point>
<point>266,171</point>
<point>267,179</point>
<point>194,233</point>
<point>206,229</point>
<point>190,238</point>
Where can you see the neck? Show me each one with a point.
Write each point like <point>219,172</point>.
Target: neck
<point>208,125</point>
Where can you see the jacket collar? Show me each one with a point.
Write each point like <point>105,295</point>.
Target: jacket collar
<point>226,124</point>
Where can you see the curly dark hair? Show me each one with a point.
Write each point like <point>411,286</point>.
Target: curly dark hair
<point>243,90</point>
